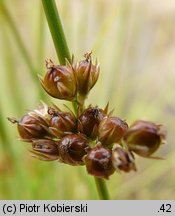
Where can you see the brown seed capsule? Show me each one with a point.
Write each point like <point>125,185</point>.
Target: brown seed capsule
<point>62,123</point>
<point>89,120</point>
<point>60,81</point>
<point>111,130</point>
<point>72,148</point>
<point>99,162</point>
<point>87,74</point>
<point>123,159</point>
<point>45,149</point>
<point>31,126</point>
<point>144,138</point>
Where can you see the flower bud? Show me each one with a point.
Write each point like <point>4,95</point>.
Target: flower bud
<point>72,148</point>
<point>144,138</point>
<point>31,126</point>
<point>62,123</point>
<point>123,159</point>
<point>87,74</point>
<point>111,130</point>
<point>99,162</point>
<point>89,120</point>
<point>59,81</point>
<point>44,149</point>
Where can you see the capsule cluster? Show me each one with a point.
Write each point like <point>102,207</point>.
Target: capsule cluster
<point>89,136</point>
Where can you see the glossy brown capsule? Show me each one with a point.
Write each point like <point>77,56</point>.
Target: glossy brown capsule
<point>87,74</point>
<point>62,123</point>
<point>72,148</point>
<point>31,126</point>
<point>89,120</point>
<point>144,138</point>
<point>59,81</point>
<point>111,130</point>
<point>98,162</point>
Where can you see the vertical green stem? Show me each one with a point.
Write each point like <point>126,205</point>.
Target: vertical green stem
<point>101,188</point>
<point>56,30</point>
<point>63,53</point>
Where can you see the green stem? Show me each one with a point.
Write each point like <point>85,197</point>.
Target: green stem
<point>81,100</point>
<point>75,107</point>
<point>56,30</point>
<point>63,53</point>
<point>101,188</point>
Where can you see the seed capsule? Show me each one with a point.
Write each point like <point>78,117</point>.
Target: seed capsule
<point>44,149</point>
<point>62,123</point>
<point>89,120</point>
<point>72,148</point>
<point>87,74</point>
<point>123,159</point>
<point>31,126</point>
<point>144,138</point>
<point>111,130</point>
<point>60,82</point>
<point>99,162</point>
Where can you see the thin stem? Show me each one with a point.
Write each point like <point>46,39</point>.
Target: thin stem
<point>75,107</point>
<point>56,30</point>
<point>101,188</point>
<point>63,53</point>
<point>81,100</point>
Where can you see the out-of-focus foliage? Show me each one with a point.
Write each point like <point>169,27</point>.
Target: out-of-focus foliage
<point>134,41</point>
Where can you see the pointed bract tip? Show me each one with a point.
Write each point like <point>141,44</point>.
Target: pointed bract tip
<point>12,120</point>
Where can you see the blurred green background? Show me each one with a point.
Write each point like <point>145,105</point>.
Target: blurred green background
<point>134,41</point>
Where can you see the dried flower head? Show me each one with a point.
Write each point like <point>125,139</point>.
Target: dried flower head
<point>45,149</point>
<point>144,138</point>
<point>122,159</point>
<point>90,137</point>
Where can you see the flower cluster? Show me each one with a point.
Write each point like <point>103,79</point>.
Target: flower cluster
<point>90,136</point>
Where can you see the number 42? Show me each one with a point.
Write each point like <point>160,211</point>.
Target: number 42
<point>165,208</point>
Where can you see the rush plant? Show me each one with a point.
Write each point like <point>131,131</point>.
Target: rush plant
<point>85,136</point>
